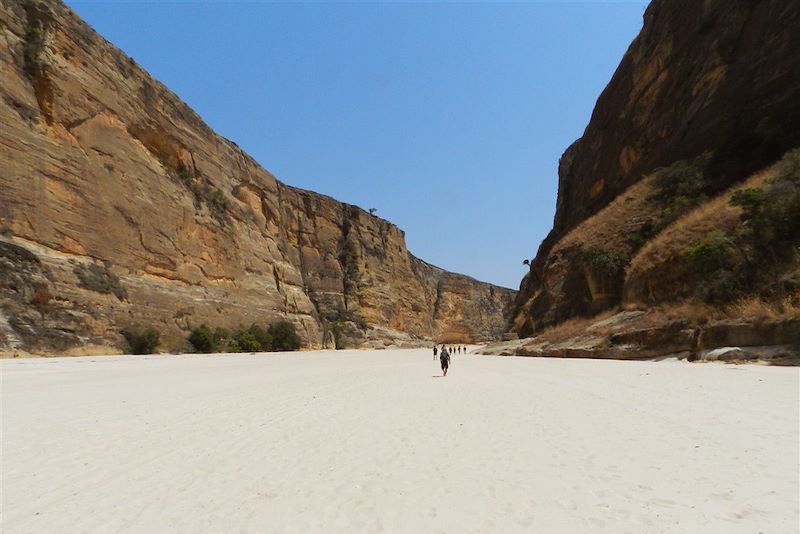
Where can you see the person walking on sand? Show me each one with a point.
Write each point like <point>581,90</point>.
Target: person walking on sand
<point>435,351</point>
<point>444,358</point>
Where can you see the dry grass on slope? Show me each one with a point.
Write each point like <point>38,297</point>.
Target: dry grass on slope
<point>716,214</point>
<point>613,226</point>
<point>692,313</point>
<point>757,309</point>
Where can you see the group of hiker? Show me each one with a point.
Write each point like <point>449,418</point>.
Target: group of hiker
<point>444,355</point>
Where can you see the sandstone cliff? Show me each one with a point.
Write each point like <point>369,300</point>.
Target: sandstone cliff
<point>119,205</point>
<point>705,103</point>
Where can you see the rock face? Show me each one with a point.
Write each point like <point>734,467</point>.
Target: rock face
<point>635,335</point>
<point>706,95</point>
<point>119,206</point>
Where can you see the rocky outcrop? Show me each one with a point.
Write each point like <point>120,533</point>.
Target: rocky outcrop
<point>705,97</point>
<point>119,205</point>
<point>636,335</point>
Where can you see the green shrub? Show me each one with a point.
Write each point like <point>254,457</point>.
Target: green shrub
<point>679,188</point>
<point>721,271</point>
<point>202,339</point>
<point>33,48</point>
<point>284,336</point>
<point>642,235</point>
<point>141,340</point>
<point>751,201</point>
<point>772,215</point>
<point>279,336</point>
<point>221,336</point>
<point>214,199</point>
<point>262,336</point>
<point>605,262</point>
<point>710,255</point>
<point>245,341</point>
<point>97,277</point>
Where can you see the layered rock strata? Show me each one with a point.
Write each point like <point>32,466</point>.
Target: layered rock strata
<point>119,205</point>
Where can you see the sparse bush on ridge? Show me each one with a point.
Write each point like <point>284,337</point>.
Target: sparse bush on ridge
<point>642,235</point>
<point>772,215</point>
<point>33,48</point>
<point>214,199</point>
<point>141,340</point>
<point>711,254</point>
<point>720,275</point>
<point>750,256</point>
<point>679,188</point>
<point>605,262</point>
<point>186,176</point>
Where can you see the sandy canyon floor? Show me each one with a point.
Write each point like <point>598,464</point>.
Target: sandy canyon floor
<point>377,441</point>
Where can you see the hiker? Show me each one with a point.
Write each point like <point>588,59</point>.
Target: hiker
<point>435,352</point>
<point>444,358</point>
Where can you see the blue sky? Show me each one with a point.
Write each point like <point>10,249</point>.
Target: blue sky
<point>448,118</point>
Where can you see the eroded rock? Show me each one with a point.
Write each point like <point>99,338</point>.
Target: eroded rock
<point>140,213</point>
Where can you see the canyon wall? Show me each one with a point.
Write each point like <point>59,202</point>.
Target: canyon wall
<point>120,206</point>
<point>705,102</point>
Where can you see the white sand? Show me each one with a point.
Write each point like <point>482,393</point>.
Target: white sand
<point>374,441</point>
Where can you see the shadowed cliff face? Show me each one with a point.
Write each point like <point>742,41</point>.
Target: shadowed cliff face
<point>118,205</point>
<point>712,82</point>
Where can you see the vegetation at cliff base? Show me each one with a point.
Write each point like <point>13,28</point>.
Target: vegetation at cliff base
<point>279,336</point>
<point>336,329</point>
<point>141,340</point>
<point>284,336</point>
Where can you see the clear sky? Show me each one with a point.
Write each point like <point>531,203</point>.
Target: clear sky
<point>448,118</point>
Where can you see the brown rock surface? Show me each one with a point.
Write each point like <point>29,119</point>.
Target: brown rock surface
<point>118,205</point>
<point>654,334</point>
<point>714,83</point>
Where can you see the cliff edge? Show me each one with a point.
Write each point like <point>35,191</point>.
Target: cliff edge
<point>684,190</point>
<point>120,206</point>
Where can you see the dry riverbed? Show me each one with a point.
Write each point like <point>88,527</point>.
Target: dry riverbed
<point>377,441</point>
